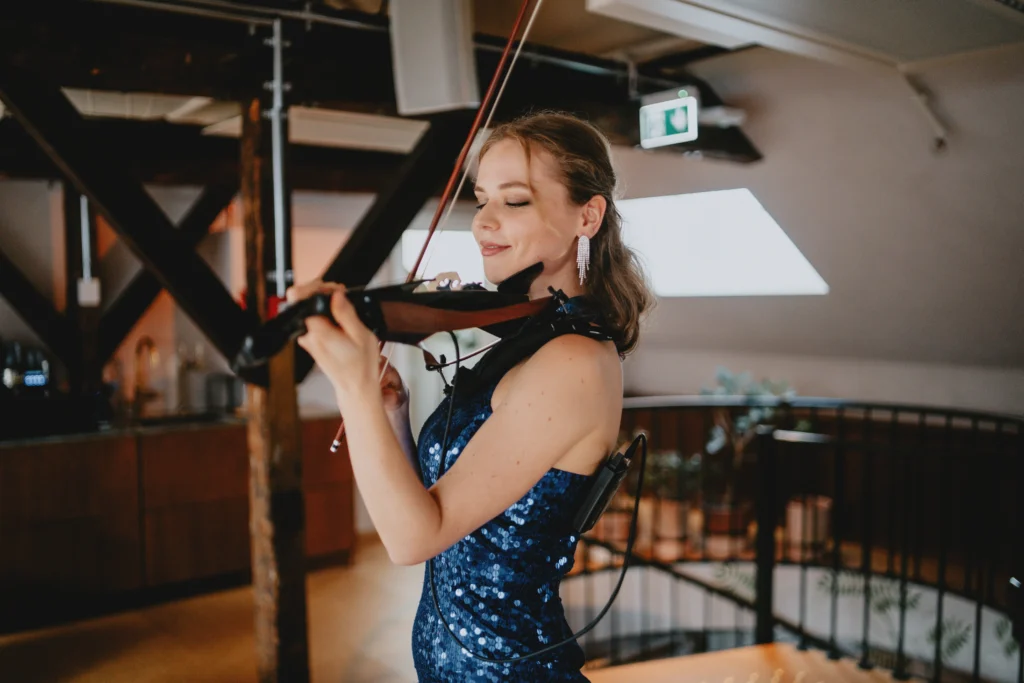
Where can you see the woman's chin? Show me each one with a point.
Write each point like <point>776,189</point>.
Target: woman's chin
<point>496,274</point>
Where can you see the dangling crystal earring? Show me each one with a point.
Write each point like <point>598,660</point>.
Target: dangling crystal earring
<point>583,256</point>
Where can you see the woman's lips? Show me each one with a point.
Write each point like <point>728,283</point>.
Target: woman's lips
<point>492,249</point>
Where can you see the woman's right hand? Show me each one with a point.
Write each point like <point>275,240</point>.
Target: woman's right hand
<point>392,388</point>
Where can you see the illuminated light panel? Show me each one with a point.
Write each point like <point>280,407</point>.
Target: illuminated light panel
<point>720,243</point>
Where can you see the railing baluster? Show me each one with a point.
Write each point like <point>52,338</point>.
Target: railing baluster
<point>865,659</point>
<point>704,488</point>
<point>804,548</point>
<point>613,614</point>
<point>767,463</point>
<point>945,460</point>
<point>837,536</point>
<point>707,620</point>
<point>654,497</point>
<point>894,436</point>
<point>975,486</point>
<point>900,672</point>
<point>1018,559</point>
<point>588,590</point>
<point>922,448</point>
<point>994,541</point>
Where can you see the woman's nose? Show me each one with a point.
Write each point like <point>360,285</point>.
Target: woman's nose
<point>485,220</point>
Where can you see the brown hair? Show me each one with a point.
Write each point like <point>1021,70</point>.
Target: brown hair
<point>615,281</point>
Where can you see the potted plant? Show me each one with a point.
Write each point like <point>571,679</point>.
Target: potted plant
<point>729,441</point>
<point>671,485</point>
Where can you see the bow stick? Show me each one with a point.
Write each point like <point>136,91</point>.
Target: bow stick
<point>489,104</point>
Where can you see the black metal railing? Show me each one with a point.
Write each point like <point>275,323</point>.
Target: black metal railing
<point>887,533</point>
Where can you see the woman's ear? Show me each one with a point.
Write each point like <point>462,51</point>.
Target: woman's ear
<point>593,215</point>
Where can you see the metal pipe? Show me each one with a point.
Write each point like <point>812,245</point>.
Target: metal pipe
<point>245,15</point>
<point>86,238</point>
<point>277,163</point>
<point>195,11</point>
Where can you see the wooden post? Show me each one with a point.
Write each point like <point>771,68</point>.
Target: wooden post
<point>277,524</point>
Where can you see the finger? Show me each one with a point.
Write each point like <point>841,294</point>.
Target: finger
<point>320,328</point>
<point>345,315</point>
<point>303,291</point>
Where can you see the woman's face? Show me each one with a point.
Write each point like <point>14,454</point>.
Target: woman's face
<point>524,215</point>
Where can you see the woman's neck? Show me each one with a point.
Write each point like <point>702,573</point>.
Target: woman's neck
<point>567,282</point>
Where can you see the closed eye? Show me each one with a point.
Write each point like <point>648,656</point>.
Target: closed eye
<point>514,205</point>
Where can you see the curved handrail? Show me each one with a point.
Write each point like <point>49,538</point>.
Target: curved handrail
<point>728,401</point>
<point>970,564</point>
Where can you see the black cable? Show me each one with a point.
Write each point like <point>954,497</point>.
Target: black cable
<point>442,461</point>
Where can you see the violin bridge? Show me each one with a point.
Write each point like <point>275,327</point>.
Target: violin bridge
<point>449,281</point>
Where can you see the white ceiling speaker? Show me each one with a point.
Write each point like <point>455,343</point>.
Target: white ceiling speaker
<point>433,57</point>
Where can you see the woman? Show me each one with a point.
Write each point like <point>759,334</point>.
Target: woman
<point>519,448</point>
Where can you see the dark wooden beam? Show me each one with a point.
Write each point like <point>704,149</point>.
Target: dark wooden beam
<point>162,153</point>
<point>276,504</point>
<point>93,168</point>
<point>394,208</point>
<point>120,316</point>
<point>189,55</point>
<point>38,312</point>
<point>196,56</point>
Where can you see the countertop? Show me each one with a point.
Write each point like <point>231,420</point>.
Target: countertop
<point>152,425</point>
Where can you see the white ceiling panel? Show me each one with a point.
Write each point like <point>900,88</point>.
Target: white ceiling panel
<point>858,33</point>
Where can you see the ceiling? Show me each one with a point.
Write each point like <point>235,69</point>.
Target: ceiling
<point>562,24</point>
<point>866,34</point>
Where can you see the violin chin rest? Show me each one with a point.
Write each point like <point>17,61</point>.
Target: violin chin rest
<point>521,281</point>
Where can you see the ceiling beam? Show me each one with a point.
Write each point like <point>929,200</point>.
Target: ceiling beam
<point>160,153</point>
<point>134,300</point>
<point>39,313</point>
<point>328,66</point>
<point>94,169</point>
<point>380,228</point>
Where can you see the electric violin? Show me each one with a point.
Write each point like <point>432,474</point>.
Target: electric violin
<point>406,313</point>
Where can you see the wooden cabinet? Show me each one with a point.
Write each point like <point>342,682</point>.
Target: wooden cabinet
<point>195,503</point>
<point>69,524</point>
<point>328,486</point>
<point>91,520</point>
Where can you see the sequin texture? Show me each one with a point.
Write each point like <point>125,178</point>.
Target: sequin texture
<point>498,587</point>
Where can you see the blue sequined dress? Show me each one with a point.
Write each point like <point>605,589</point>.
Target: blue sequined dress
<point>498,587</point>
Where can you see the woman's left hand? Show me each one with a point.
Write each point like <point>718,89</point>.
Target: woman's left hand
<point>347,353</point>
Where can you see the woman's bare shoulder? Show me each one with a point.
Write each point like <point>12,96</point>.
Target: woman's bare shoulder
<point>589,354</point>
<point>581,369</point>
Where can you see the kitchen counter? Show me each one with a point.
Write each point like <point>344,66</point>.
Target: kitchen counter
<point>147,426</point>
<point>91,520</point>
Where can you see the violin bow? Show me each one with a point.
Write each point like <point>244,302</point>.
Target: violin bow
<point>447,201</point>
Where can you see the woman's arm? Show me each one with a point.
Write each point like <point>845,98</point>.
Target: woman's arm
<point>562,399</point>
<point>556,403</point>
<point>398,418</point>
